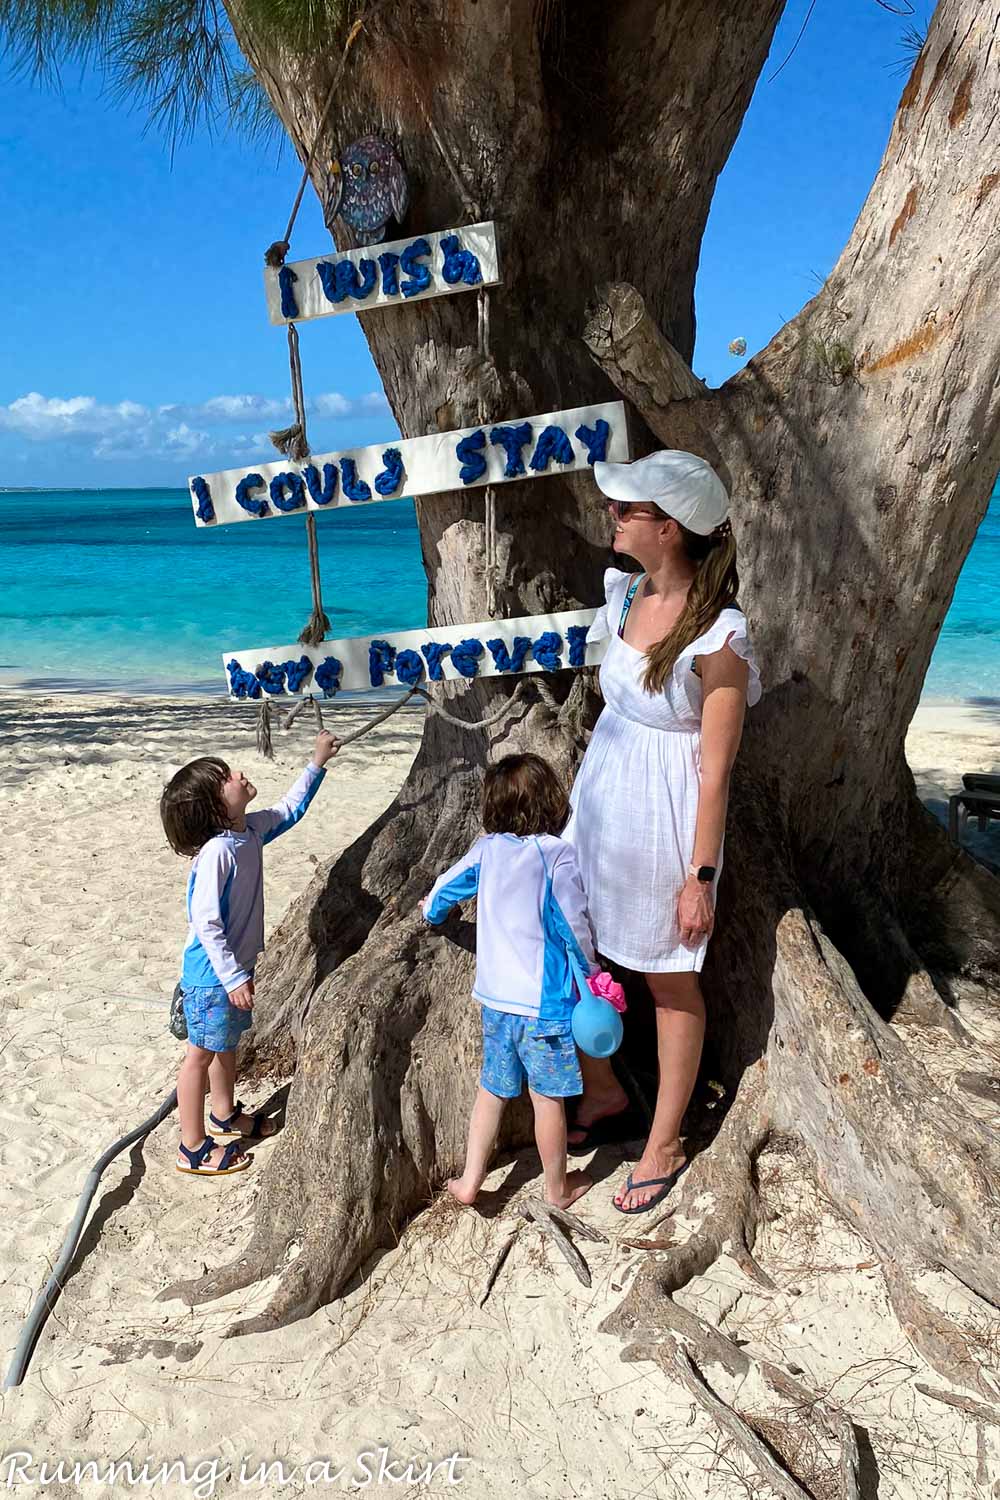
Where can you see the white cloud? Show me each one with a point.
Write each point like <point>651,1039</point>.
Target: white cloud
<point>46,417</point>
<point>127,428</point>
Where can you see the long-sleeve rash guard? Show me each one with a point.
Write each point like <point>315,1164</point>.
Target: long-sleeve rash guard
<point>532,926</point>
<point>225,894</point>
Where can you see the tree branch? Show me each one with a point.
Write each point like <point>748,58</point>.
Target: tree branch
<point>632,351</point>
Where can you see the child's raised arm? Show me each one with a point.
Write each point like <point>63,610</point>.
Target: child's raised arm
<point>272,822</point>
<point>459,883</point>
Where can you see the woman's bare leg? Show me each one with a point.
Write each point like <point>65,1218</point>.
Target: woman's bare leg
<point>603,1095</point>
<point>680,1032</point>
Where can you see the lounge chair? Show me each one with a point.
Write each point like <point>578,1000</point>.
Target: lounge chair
<point>979,799</point>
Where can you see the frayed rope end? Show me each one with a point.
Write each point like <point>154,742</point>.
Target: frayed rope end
<point>316,629</point>
<point>291,441</point>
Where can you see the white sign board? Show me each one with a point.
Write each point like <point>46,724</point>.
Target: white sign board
<point>396,272</point>
<point>529,448</point>
<point>412,658</point>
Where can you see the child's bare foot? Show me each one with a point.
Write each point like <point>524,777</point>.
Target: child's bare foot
<point>577,1183</point>
<point>466,1190</point>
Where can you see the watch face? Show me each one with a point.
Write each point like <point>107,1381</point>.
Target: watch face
<point>706,873</point>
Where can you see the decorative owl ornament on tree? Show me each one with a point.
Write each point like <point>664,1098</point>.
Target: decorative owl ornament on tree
<point>369,188</point>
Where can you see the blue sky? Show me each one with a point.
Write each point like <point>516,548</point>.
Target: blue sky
<point>135,347</point>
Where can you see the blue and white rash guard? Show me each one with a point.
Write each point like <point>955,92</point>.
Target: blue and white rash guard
<point>225,894</point>
<point>532,926</point>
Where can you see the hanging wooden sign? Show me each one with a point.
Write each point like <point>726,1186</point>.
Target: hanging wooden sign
<point>398,271</point>
<point>412,658</point>
<point>557,442</point>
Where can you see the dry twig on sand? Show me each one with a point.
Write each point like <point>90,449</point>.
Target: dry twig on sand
<point>552,1223</point>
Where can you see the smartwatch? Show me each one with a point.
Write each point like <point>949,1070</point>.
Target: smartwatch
<point>704,874</point>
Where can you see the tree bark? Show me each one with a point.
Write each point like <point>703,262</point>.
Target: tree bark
<point>860,447</point>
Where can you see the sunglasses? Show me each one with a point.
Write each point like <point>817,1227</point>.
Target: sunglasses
<point>626,510</point>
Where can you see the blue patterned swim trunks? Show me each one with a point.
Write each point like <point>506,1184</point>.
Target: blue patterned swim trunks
<point>213,1021</point>
<point>519,1047</point>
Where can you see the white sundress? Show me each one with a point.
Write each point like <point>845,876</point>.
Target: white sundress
<point>635,799</point>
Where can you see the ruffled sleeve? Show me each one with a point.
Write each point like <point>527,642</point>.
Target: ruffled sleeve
<point>605,622</point>
<point>730,629</point>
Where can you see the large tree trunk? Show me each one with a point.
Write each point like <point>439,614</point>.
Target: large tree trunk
<point>860,446</point>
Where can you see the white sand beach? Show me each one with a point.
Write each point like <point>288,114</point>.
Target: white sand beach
<point>526,1390</point>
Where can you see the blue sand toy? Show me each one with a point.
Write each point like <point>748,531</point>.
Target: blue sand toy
<point>597,1026</point>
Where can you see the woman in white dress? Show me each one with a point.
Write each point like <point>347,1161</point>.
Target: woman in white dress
<point>649,803</point>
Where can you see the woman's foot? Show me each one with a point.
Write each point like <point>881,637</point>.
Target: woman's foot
<point>655,1162</point>
<point>465,1189</point>
<point>577,1183</point>
<point>594,1107</point>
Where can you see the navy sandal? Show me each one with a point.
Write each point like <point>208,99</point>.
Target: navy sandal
<point>233,1159</point>
<point>228,1127</point>
<point>665,1184</point>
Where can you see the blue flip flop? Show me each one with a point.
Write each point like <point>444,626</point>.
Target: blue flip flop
<point>665,1184</point>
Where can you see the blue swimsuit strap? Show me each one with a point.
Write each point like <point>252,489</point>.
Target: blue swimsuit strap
<point>628,601</point>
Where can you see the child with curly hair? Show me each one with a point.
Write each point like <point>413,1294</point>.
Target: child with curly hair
<point>204,813</point>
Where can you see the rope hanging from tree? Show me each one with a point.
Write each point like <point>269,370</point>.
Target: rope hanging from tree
<point>293,443</point>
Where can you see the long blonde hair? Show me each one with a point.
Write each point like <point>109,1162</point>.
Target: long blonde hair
<point>715,586</point>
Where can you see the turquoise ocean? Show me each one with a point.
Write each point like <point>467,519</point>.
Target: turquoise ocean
<point>118,591</point>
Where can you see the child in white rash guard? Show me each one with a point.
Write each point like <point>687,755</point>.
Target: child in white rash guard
<point>204,814</point>
<point>532,934</point>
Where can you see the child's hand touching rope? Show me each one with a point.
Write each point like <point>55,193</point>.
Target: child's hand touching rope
<point>325,748</point>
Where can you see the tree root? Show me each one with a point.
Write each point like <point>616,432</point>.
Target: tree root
<point>822,1417</point>
<point>774,1474</point>
<point>236,1277</point>
<point>974,1409</point>
<point>936,1337</point>
<point>719,1188</point>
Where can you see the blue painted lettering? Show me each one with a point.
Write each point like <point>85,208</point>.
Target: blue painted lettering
<point>296,497</point>
<point>203,495</point>
<point>296,672</point>
<point>459,264</point>
<point>419,275</point>
<point>391,477</point>
<point>509,661</point>
<point>512,440</point>
<point>595,440</point>
<point>245,500</point>
<point>576,637</point>
<point>465,657</point>
<point>434,654</point>
<point>242,684</point>
<point>409,667</point>
<point>553,443</point>
<point>286,281</point>
<point>381,657</point>
<point>389,265</point>
<point>546,651</point>
<point>271,677</point>
<point>354,488</point>
<point>322,493</point>
<point>469,452</point>
<point>327,676</point>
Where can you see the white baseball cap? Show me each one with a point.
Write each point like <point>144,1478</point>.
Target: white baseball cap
<point>683,485</point>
